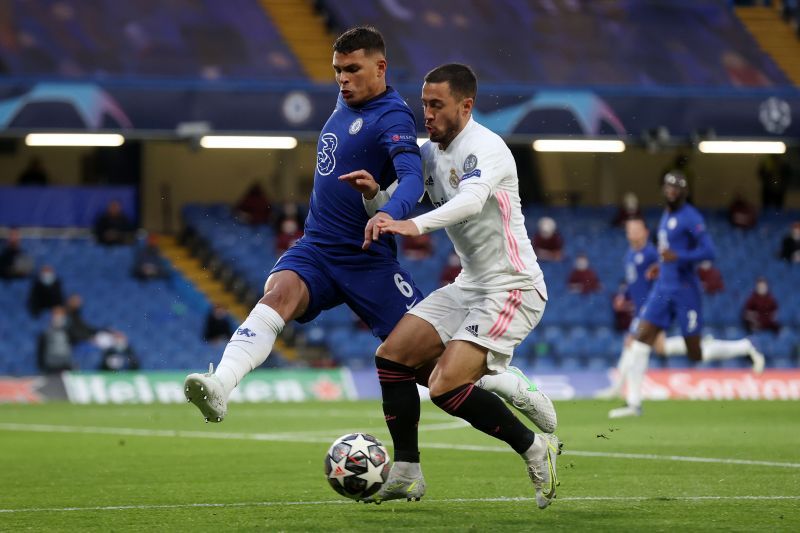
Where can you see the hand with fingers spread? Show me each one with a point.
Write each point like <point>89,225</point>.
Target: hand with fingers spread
<point>405,228</point>
<point>363,182</point>
<point>373,231</point>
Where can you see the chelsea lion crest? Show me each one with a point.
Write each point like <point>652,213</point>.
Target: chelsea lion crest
<point>355,126</point>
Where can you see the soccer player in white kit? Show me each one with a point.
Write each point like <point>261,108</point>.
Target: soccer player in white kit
<point>472,325</point>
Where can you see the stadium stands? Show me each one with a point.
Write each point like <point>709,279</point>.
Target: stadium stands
<point>576,330</point>
<point>625,46</point>
<point>643,43</point>
<point>597,43</point>
<point>162,318</point>
<point>106,39</point>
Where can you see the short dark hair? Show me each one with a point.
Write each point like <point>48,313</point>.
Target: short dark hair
<point>461,78</point>
<point>361,37</point>
<point>676,178</point>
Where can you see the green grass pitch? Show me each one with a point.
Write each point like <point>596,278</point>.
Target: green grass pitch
<point>159,468</point>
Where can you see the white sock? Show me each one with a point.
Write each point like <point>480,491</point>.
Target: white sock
<point>407,470</point>
<point>504,385</point>
<point>538,447</point>
<point>623,367</point>
<point>715,350</point>
<point>639,360</point>
<point>674,346</point>
<point>249,346</point>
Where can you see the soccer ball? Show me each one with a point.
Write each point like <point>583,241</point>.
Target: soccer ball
<point>356,465</point>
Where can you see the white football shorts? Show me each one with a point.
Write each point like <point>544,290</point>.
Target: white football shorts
<point>498,321</point>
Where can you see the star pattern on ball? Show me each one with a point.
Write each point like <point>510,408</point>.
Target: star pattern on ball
<point>373,474</point>
<point>356,465</point>
<point>360,444</point>
<point>339,471</point>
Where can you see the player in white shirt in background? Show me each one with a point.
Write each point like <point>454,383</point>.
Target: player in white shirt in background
<point>472,325</point>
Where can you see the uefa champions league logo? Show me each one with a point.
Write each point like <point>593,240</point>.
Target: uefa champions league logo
<point>775,115</point>
<point>470,163</point>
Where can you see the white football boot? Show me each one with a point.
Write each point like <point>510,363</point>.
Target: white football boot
<point>533,403</point>
<point>542,467</point>
<point>207,393</point>
<point>398,487</point>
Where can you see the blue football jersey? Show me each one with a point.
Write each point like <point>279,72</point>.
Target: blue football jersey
<point>684,232</point>
<point>636,264</point>
<point>379,136</point>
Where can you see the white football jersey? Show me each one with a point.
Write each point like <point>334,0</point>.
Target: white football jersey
<point>496,253</point>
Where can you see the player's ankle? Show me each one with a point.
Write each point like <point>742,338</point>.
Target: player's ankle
<point>538,446</point>
<point>407,469</point>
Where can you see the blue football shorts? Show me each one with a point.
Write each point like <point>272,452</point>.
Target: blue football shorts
<point>683,304</point>
<point>374,286</point>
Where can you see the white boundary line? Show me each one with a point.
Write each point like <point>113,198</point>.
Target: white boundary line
<point>307,438</point>
<point>427,500</point>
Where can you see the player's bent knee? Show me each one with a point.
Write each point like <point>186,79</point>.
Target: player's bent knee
<point>286,293</point>
<point>439,384</point>
<point>393,353</point>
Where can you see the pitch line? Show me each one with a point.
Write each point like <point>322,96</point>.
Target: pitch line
<point>427,500</point>
<point>307,439</point>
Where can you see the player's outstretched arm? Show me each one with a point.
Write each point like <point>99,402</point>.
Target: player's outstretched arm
<point>363,182</point>
<point>371,195</point>
<point>467,203</point>
<point>372,231</point>
<point>406,228</point>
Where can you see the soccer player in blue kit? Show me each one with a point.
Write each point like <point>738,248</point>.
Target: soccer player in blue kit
<point>342,258</point>
<point>675,295</point>
<point>371,128</point>
<point>640,256</point>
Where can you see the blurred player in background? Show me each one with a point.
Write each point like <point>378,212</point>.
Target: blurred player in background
<point>675,295</point>
<point>470,327</point>
<point>371,128</point>
<point>641,255</point>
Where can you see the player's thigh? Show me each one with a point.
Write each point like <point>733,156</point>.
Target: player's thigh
<point>444,310</point>
<point>499,321</point>
<point>413,342</point>
<point>462,362</point>
<point>298,286</point>
<point>378,290</point>
<point>286,293</point>
<point>647,332</point>
<point>656,315</point>
<point>660,343</point>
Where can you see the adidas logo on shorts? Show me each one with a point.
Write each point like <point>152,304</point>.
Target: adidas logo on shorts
<point>472,329</point>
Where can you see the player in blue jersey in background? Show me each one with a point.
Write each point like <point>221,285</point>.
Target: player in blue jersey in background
<point>675,295</point>
<point>342,258</point>
<point>641,255</point>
